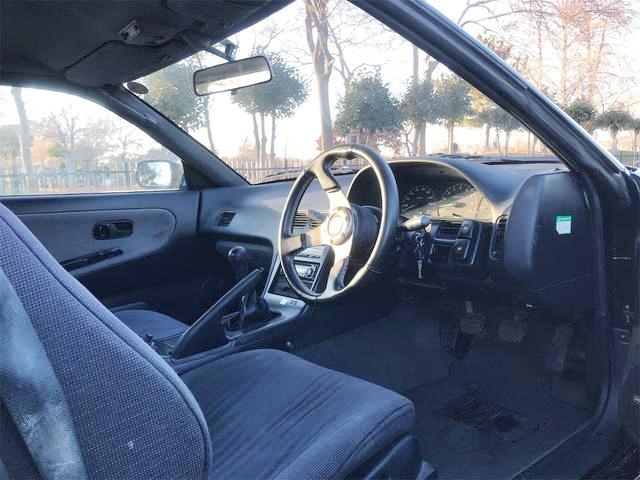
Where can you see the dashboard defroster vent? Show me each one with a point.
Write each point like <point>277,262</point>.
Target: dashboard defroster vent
<point>224,218</point>
<point>497,245</point>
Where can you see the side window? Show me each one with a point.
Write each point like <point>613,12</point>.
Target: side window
<point>53,143</point>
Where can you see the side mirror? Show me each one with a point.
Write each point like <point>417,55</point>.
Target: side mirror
<point>159,174</point>
<point>231,76</point>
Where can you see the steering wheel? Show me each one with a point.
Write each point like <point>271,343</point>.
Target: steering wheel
<point>348,229</point>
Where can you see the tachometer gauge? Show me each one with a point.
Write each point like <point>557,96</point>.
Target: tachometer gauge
<point>417,200</point>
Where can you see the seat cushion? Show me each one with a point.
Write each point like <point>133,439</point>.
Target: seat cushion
<point>147,322</point>
<point>272,414</point>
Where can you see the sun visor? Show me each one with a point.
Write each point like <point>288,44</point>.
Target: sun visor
<point>116,62</point>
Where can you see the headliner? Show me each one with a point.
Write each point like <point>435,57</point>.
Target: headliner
<point>80,41</point>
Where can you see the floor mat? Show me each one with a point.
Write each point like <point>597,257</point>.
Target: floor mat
<point>489,418</point>
<point>492,417</point>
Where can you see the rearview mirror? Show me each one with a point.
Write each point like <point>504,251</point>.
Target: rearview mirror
<point>231,76</point>
<point>159,174</point>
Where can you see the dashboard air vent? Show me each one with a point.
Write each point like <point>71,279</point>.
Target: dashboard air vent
<point>224,218</point>
<point>448,230</point>
<point>302,220</point>
<point>497,246</point>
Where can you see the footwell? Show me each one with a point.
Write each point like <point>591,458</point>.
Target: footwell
<point>624,465</point>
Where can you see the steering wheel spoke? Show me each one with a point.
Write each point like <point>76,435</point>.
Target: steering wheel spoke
<point>313,238</point>
<point>335,279</point>
<point>337,199</point>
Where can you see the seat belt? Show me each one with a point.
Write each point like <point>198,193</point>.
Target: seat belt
<point>32,394</point>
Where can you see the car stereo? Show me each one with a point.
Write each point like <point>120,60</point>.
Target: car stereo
<point>309,265</point>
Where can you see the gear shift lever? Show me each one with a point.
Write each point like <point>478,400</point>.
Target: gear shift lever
<point>239,260</point>
<point>253,309</point>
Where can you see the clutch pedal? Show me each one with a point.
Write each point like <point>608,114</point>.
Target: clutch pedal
<point>472,323</point>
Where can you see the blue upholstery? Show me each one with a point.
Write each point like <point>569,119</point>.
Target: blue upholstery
<point>269,414</point>
<point>133,417</point>
<point>273,415</point>
<point>147,322</point>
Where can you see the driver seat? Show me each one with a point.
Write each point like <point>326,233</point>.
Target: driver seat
<point>82,396</point>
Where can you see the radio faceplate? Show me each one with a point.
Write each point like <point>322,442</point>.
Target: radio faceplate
<point>309,265</point>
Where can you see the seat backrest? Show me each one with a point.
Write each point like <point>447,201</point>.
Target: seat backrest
<point>133,417</point>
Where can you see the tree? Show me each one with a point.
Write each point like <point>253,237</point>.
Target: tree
<point>635,127</point>
<point>417,105</point>
<point>78,142</point>
<point>9,150</point>
<point>171,92</point>
<point>65,127</point>
<point>574,44</point>
<point>489,11</point>
<point>369,108</point>
<point>583,112</point>
<point>613,121</point>
<point>502,121</point>
<point>25,136</point>
<point>277,99</point>
<point>452,104</point>
<point>330,38</point>
<point>123,139</point>
<point>316,23</point>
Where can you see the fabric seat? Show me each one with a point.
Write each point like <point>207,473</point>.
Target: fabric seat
<point>148,322</point>
<point>130,416</point>
<point>271,414</point>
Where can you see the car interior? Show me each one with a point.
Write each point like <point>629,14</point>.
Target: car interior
<point>410,319</point>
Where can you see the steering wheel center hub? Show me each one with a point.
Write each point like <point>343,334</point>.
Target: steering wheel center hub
<point>340,225</point>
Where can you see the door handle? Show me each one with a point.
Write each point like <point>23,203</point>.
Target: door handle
<point>112,229</point>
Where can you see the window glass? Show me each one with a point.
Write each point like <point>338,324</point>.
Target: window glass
<point>354,82</point>
<point>54,143</point>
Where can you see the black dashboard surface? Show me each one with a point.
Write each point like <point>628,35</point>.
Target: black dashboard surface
<point>450,188</point>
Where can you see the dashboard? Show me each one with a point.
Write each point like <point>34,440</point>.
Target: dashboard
<point>518,230</point>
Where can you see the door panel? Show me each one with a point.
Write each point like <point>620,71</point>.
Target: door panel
<point>147,231</point>
<point>163,266</point>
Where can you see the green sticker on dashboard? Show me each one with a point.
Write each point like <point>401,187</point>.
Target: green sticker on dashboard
<point>563,224</point>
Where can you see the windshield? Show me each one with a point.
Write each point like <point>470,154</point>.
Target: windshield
<point>355,81</point>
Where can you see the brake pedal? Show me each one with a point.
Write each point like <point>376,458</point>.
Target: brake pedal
<point>513,329</point>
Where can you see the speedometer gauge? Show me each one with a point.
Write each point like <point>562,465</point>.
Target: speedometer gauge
<point>418,200</point>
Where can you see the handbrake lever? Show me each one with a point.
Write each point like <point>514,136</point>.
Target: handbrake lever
<point>198,337</point>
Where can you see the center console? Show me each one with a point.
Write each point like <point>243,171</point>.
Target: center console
<point>242,315</point>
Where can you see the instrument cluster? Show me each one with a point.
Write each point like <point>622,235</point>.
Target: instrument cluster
<point>450,200</point>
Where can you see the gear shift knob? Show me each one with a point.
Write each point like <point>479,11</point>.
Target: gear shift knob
<point>239,260</point>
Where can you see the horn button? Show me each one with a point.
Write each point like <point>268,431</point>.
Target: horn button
<point>340,225</point>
